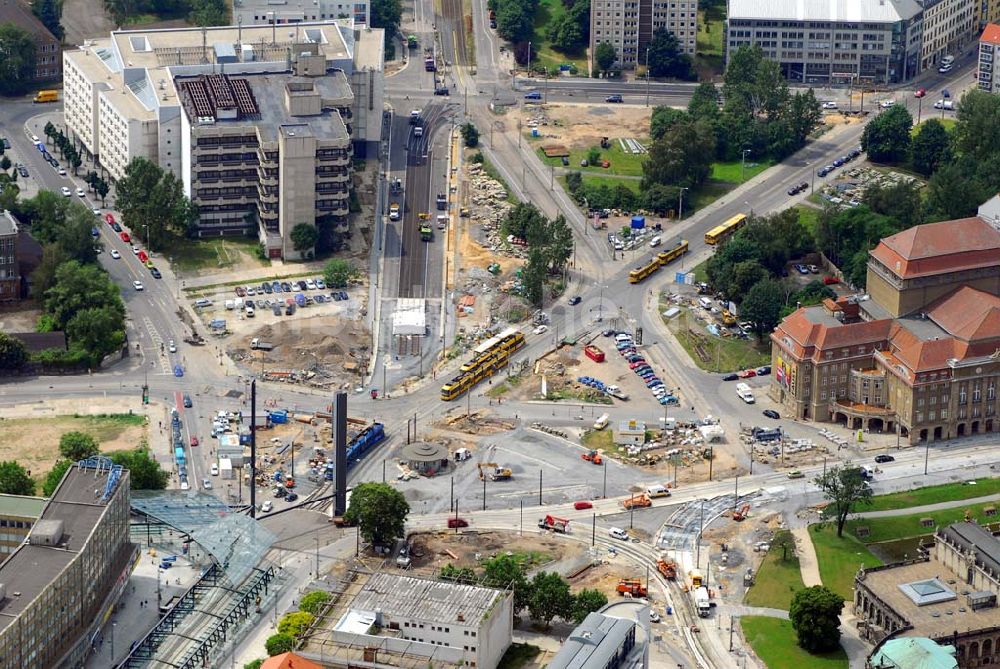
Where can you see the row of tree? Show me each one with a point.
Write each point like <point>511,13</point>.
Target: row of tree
<point>545,596</point>
<point>550,245</point>
<point>67,150</point>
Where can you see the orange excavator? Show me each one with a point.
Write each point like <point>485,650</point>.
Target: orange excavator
<point>667,568</point>
<point>741,513</point>
<point>592,456</point>
<point>631,587</point>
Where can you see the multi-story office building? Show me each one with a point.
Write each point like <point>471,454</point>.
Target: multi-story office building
<point>123,99</point>
<point>628,25</point>
<point>10,272</point>
<point>58,587</point>
<point>948,26</point>
<point>867,41</point>
<point>275,149</point>
<point>48,50</point>
<point>251,12</point>
<point>989,55</point>
<point>18,514</point>
<point>916,353</point>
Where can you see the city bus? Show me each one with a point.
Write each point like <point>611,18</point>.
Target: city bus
<point>721,233</point>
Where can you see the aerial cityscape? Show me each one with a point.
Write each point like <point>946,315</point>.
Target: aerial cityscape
<point>502,334</point>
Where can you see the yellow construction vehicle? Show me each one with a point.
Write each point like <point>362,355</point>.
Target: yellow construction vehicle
<point>494,471</point>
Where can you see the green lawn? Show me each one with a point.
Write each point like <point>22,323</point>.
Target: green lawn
<point>773,640</point>
<point>839,558</point>
<point>701,272</point>
<point>734,173</point>
<point>776,582</point>
<point>808,217</point>
<point>935,494</point>
<point>717,354</point>
<point>191,255</point>
<point>622,164</point>
<point>548,11</point>
<point>902,527</point>
<point>518,655</point>
<point>711,23</point>
<point>598,440</point>
<point>947,122</point>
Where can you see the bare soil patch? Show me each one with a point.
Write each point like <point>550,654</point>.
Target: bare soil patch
<point>581,126</point>
<point>433,550</point>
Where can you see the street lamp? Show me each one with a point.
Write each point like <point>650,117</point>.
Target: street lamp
<point>600,305</point>
<point>647,76</point>
<point>743,165</point>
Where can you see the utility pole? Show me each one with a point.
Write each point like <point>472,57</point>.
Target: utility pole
<point>736,496</point>
<point>593,530</point>
<point>743,166</point>
<point>647,76</point>
<point>927,455</point>
<point>317,555</point>
<point>701,528</point>
<point>539,487</point>
<point>484,492</point>
<point>711,460</point>
<point>604,491</point>
<point>520,530</point>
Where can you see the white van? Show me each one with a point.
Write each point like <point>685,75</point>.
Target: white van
<point>948,60</point>
<point>618,533</point>
<point>622,337</point>
<point>705,302</point>
<point>601,422</point>
<point>654,242</point>
<point>655,491</point>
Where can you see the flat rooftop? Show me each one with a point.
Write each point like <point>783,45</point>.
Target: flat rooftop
<point>931,620</point>
<point>21,506</point>
<point>593,643</point>
<point>423,599</point>
<point>30,569</point>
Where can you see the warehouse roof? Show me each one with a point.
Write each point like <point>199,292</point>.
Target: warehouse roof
<point>594,642</point>
<point>423,599</point>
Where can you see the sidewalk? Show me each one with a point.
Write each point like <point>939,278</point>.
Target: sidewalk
<point>808,562</point>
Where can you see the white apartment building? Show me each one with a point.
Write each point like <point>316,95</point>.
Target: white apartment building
<point>252,12</point>
<point>840,41</point>
<point>120,100</point>
<point>949,25</point>
<point>628,25</point>
<point>989,53</point>
<point>451,624</point>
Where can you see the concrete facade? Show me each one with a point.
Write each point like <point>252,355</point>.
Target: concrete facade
<point>62,582</point>
<point>10,270</point>
<point>841,42</point>
<point>949,25</point>
<point>628,25</point>
<point>17,516</point>
<point>989,58</point>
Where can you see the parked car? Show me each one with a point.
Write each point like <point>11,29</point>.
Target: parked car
<point>575,300</point>
<point>125,237</point>
<point>886,104</point>
<point>829,105</point>
<point>884,457</point>
<point>946,105</point>
<point>582,505</point>
<point>614,98</point>
<point>138,285</point>
<point>533,95</point>
<point>155,273</point>
<point>455,522</point>
<point>267,506</point>
<point>771,413</point>
<point>830,280</point>
<point>920,92</point>
<point>730,377</point>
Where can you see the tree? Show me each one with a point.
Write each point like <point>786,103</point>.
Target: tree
<point>304,236</point>
<point>75,236</point>
<point>785,542</point>
<point>380,512</point>
<point>886,138</point>
<point>386,14</point>
<point>977,125</point>
<point>78,287</point>
<point>845,489</point>
<point>49,13</point>
<point>954,192</point>
<point>931,147</point>
<point>682,157</point>
<point>17,59</point>
<point>604,56</point>
<point>566,34</point>
<point>666,59</point>
<point>102,188</point>
<point>338,273</point>
<point>560,244</point>
<point>470,135</point>
<point>208,13</point>
<point>149,196</point>
<point>745,275</point>
<point>5,163</point>
<point>256,664</point>
<point>277,644</point>
<point>145,473</point>
<point>77,446</point>
<point>514,23</point>
<point>815,616</point>
<point>14,479</point>
<point>704,103</point>
<point>314,601</point>
<point>296,623</point>
<point>802,115</point>
<point>661,199</point>
<point>663,119</point>
<point>54,476</point>
<point>900,202</point>
<point>550,597</point>
<point>762,306</point>
<point>587,601</point>
<point>13,354</point>
<point>533,276</point>
<point>505,572</point>
<point>754,85</point>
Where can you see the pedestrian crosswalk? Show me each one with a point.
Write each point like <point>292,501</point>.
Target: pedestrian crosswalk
<point>156,344</point>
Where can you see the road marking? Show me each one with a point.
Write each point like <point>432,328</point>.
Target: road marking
<point>157,341</point>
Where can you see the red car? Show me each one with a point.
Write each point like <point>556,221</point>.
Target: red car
<point>920,92</point>
<point>580,506</point>
<point>747,373</point>
<point>830,280</point>
<point>143,257</point>
<point>110,219</point>
<point>455,523</point>
<point>240,291</point>
<point>194,441</point>
<point>126,238</point>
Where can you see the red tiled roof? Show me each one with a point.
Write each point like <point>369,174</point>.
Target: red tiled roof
<point>921,355</point>
<point>991,34</point>
<point>289,661</point>
<point>968,314</point>
<point>939,248</point>
<point>800,329</point>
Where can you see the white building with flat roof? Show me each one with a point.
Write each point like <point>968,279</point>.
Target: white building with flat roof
<point>252,12</point>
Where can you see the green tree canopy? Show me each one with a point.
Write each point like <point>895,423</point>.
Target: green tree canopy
<point>296,623</point>
<point>503,572</point>
<point>587,601</point>
<point>144,472</point>
<point>14,479</point>
<point>762,306</point>
<point>313,602</point>
<point>886,138</point>
<point>931,147</point>
<point>664,119</point>
<point>977,125</point>
<point>549,597</point>
<point>955,191</point>
<point>682,157</point>
<point>13,354</point>
<point>304,236</point>
<point>470,135</point>
<point>49,12</point>
<point>78,287</point>
<point>604,56</point>
<point>380,512</point>
<point>815,616</point>
<point>54,476</point>
<point>77,446</point>
<point>845,489</point>
<point>338,273</point>
<point>279,643</point>
<point>514,21</point>
<point>150,196</point>
<point>667,58</point>
<point>17,59</point>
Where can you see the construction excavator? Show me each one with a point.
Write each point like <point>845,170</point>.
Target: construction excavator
<point>668,568</point>
<point>741,513</point>
<point>494,471</point>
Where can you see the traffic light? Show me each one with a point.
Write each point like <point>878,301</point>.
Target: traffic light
<point>145,394</point>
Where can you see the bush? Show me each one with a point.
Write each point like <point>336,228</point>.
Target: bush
<point>295,624</point>
<point>277,644</point>
<point>313,602</point>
